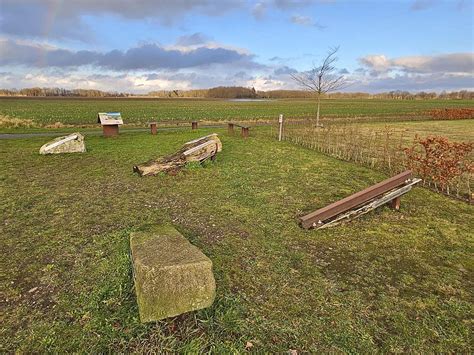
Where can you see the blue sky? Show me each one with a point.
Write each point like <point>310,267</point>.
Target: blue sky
<point>139,46</point>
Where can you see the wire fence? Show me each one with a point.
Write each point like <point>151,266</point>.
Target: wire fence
<point>388,150</point>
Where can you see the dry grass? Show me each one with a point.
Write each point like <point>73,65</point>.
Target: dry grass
<point>12,122</point>
<point>381,148</point>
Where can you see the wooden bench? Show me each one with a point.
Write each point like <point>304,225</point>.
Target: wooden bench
<point>361,202</point>
<point>245,129</point>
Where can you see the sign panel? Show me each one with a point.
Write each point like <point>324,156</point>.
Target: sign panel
<point>109,118</point>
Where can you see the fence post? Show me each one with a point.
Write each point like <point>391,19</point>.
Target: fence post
<point>153,128</point>
<point>280,121</point>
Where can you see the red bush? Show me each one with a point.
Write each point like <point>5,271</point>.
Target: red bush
<point>438,160</point>
<point>451,113</point>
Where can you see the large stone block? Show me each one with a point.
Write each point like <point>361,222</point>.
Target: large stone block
<point>171,275</point>
<point>73,143</point>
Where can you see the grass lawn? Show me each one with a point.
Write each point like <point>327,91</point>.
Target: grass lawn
<point>390,281</point>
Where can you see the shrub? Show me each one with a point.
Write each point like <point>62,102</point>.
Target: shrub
<point>436,159</point>
<point>452,113</point>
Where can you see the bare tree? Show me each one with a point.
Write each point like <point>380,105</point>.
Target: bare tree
<point>322,79</point>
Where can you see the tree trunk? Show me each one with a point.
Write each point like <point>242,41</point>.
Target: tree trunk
<point>197,150</point>
<point>317,113</point>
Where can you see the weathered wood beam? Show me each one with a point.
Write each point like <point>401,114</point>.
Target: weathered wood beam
<point>196,150</point>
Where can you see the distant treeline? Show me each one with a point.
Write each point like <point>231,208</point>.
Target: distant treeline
<point>237,92</point>
<point>42,92</point>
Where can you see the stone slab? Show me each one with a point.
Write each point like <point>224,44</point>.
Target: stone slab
<point>72,143</point>
<point>171,275</point>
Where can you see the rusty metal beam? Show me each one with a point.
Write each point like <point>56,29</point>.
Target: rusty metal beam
<point>354,200</point>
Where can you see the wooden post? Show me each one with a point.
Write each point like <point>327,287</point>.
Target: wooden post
<point>153,128</point>
<point>230,128</point>
<point>395,203</point>
<point>245,132</point>
<point>110,130</point>
<point>194,125</point>
<point>280,121</point>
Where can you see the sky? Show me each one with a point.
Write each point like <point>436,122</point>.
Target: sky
<point>139,46</point>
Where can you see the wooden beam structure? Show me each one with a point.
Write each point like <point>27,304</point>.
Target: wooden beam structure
<point>318,217</point>
<point>245,129</point>
<point>230,128</point>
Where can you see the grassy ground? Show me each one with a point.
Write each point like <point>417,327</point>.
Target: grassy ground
<point>461,130</point>
<point>390,281</point>
<point>84,111</point>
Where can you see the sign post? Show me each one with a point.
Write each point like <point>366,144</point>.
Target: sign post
<point>280,121</point>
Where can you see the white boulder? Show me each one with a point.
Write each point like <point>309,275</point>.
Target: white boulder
<point>73,143</point>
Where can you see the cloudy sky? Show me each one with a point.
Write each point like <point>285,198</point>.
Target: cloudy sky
<point>143,45</point>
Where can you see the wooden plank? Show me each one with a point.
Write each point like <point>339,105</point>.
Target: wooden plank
<point>237,124</point>
<point>354,200</point>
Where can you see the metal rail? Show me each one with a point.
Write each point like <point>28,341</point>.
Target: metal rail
<point>317,217</point>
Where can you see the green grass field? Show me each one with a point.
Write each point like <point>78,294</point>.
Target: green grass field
<point>139,111</point>
<point>387,282</point>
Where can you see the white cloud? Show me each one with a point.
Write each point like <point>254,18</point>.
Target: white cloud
<point>259,10</point>
<point>413,82</point>
<point>452,63</point>
<point>376,62</point>
<point>305,21</point>
<point>442,63</point>
<point>144,57</point>
<point>63,19</point>
<point>153,67</point>
<point>193,39</point>
<point>449,71</point>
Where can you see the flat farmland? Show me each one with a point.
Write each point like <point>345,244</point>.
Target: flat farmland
<point>77,111</point>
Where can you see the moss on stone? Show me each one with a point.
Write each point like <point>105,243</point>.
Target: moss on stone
<point>172,276</point>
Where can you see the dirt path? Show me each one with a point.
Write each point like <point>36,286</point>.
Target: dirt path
<point>89,133</point>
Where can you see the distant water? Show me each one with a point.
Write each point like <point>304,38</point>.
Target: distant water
<point>247,100</point>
